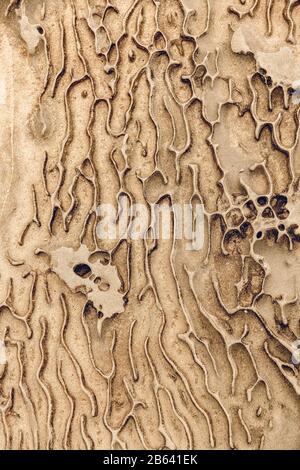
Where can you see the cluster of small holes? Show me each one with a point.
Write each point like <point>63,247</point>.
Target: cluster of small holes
<point>84,271</point>
<point>240,220</point>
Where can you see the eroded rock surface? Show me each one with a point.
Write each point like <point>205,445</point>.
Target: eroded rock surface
<point>142,344</point>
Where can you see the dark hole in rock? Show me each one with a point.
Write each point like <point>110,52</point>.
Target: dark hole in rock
<point>88,308</point>
<point>82,270</point>
<point>268,213</point>
<point>110,70</point>
<point>272,234</point>
<point>246,229</point>
<point>102,284</point>
<point>232,241</point>
<point>232,235</point>
<point>259,235</point>
<point>279,201</point>
<point>40,30</point>
<point>283,214</point>
<point>281,227</point>
<point>250,211</point>
<point>292,233</point>
<point>262,200</point>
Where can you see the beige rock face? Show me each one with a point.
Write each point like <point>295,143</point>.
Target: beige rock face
<point>142,343</point>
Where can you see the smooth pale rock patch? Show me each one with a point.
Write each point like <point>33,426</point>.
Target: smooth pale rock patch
<point>271,56</point>
<point>2,91</point>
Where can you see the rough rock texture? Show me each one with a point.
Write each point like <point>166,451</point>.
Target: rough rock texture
<point>157,101</point>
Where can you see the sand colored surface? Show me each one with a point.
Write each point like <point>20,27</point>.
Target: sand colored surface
<point>143,344</point>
